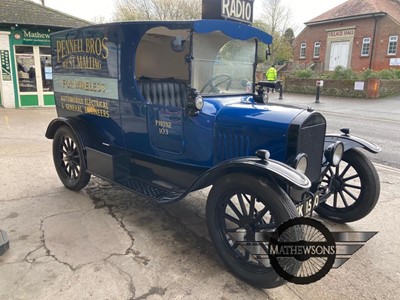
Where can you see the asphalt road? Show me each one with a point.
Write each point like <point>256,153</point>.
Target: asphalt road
<point>376,120</point>
<point>383,132</point>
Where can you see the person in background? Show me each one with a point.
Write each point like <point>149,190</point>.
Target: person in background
<point>271,76</point>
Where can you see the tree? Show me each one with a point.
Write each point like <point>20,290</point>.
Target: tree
<point>157,10</point>
<point>276,20</point>
<point>289,35</point>
<point>99,20</point>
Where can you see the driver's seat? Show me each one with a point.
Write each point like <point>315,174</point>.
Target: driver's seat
<point>165,92</point>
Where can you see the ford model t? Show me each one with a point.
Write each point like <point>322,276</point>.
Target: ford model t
<point>167,108</point>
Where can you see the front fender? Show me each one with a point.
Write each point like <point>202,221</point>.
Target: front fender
<point>350,142</point>
<point>258,167</point>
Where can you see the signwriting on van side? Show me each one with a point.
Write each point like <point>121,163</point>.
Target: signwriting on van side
<point>84,54</point>
<point>86,105</point>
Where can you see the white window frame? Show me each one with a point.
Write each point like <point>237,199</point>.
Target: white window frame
<point>317,45</point>
<point>366,41</point>
<point>393,39</point>
<point>303,47</point>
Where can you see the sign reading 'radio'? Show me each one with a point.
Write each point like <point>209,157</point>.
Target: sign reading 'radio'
<point>238,10</point>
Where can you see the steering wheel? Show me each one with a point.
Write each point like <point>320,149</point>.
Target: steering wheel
<point>216,81</point>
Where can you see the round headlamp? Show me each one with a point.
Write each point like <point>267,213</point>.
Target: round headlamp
<point>300,163</point>
<point>199,102</point>
<point>334,153</point>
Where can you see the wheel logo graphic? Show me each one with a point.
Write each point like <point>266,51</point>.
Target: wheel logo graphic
<point>302,250</point>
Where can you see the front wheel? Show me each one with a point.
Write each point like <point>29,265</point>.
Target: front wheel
<point>242,209</point>
<point>69,159</point>
<point>351,189</point>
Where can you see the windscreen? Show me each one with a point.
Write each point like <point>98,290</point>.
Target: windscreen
<point>221,65</point>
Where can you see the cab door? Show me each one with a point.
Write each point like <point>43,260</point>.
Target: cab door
<point>165,125</point>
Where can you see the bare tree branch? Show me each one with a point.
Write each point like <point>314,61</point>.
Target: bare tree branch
<point>157,10</point>
<point>276,20</point>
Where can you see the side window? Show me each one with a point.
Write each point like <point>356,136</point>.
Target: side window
<point>161,54</point>
<point>392,46</point>
<point>365,46</point>
<point>303,50</point>
<point>161,71</point>
<point>317,47</point>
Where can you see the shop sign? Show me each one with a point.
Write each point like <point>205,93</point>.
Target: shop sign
<point>236,10</point>
<point>32,37</point>
<point>5,65</point>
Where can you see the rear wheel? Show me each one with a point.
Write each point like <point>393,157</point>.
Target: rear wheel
<point>240,209</point>
<point>69,159</point>
<point>351,189</point>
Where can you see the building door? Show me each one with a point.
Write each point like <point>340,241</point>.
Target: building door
<point>35,82</point>
<point>339,55</point>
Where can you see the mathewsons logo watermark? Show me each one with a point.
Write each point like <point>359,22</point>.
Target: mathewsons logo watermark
<point>303,250</point>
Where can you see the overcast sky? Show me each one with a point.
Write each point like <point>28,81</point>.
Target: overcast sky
<point>302,10</point>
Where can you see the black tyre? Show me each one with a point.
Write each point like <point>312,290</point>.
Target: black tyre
<point>69,159</point>
<point>250,207</point>
<point>351,189</point>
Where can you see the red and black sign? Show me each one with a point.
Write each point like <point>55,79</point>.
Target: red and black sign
<point>236,10</point>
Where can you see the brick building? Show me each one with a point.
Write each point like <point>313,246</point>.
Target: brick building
<point>358,34</point>
<point>25,56</point>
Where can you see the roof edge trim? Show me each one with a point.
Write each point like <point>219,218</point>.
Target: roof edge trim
<point>372,15</point>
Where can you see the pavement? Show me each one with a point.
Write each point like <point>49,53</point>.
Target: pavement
<point>387,108</point>
<point>107,243</point>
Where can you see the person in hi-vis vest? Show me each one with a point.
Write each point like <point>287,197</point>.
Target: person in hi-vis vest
<point>271,76</point>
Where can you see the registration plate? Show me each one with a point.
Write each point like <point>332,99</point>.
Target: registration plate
<point>308,206</point>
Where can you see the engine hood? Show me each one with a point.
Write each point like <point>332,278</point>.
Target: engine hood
<point>243,127</point>
<point>257,114</point>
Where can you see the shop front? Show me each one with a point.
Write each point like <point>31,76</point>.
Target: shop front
<point>26,75</point>
<point>26,78</point>
<point>33,81</point>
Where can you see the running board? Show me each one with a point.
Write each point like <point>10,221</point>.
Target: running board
<point>116,166</point>
<point>152,190</point>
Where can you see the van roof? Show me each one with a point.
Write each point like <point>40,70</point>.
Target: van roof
<point>232,29</point>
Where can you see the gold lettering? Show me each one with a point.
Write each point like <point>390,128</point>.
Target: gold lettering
<point>163,124</point>
<point>68,51</point>
<point>105,47</point>
<point>98,47</point>
<point>85,105</point>
<point>59,49</point>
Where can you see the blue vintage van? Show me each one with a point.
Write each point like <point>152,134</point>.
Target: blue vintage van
<point>166,108</point>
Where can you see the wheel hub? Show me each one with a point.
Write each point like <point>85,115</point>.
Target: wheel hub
<point>337,183</point>
<point>68,157</point>
<point>250,225</point>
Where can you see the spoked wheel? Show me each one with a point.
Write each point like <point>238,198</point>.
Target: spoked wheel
<point>241,211</point>
<point>351,189</point>
<point>68,159</point>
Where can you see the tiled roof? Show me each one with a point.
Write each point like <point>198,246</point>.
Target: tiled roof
<point>25,12</point>
<point>353,8</point>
